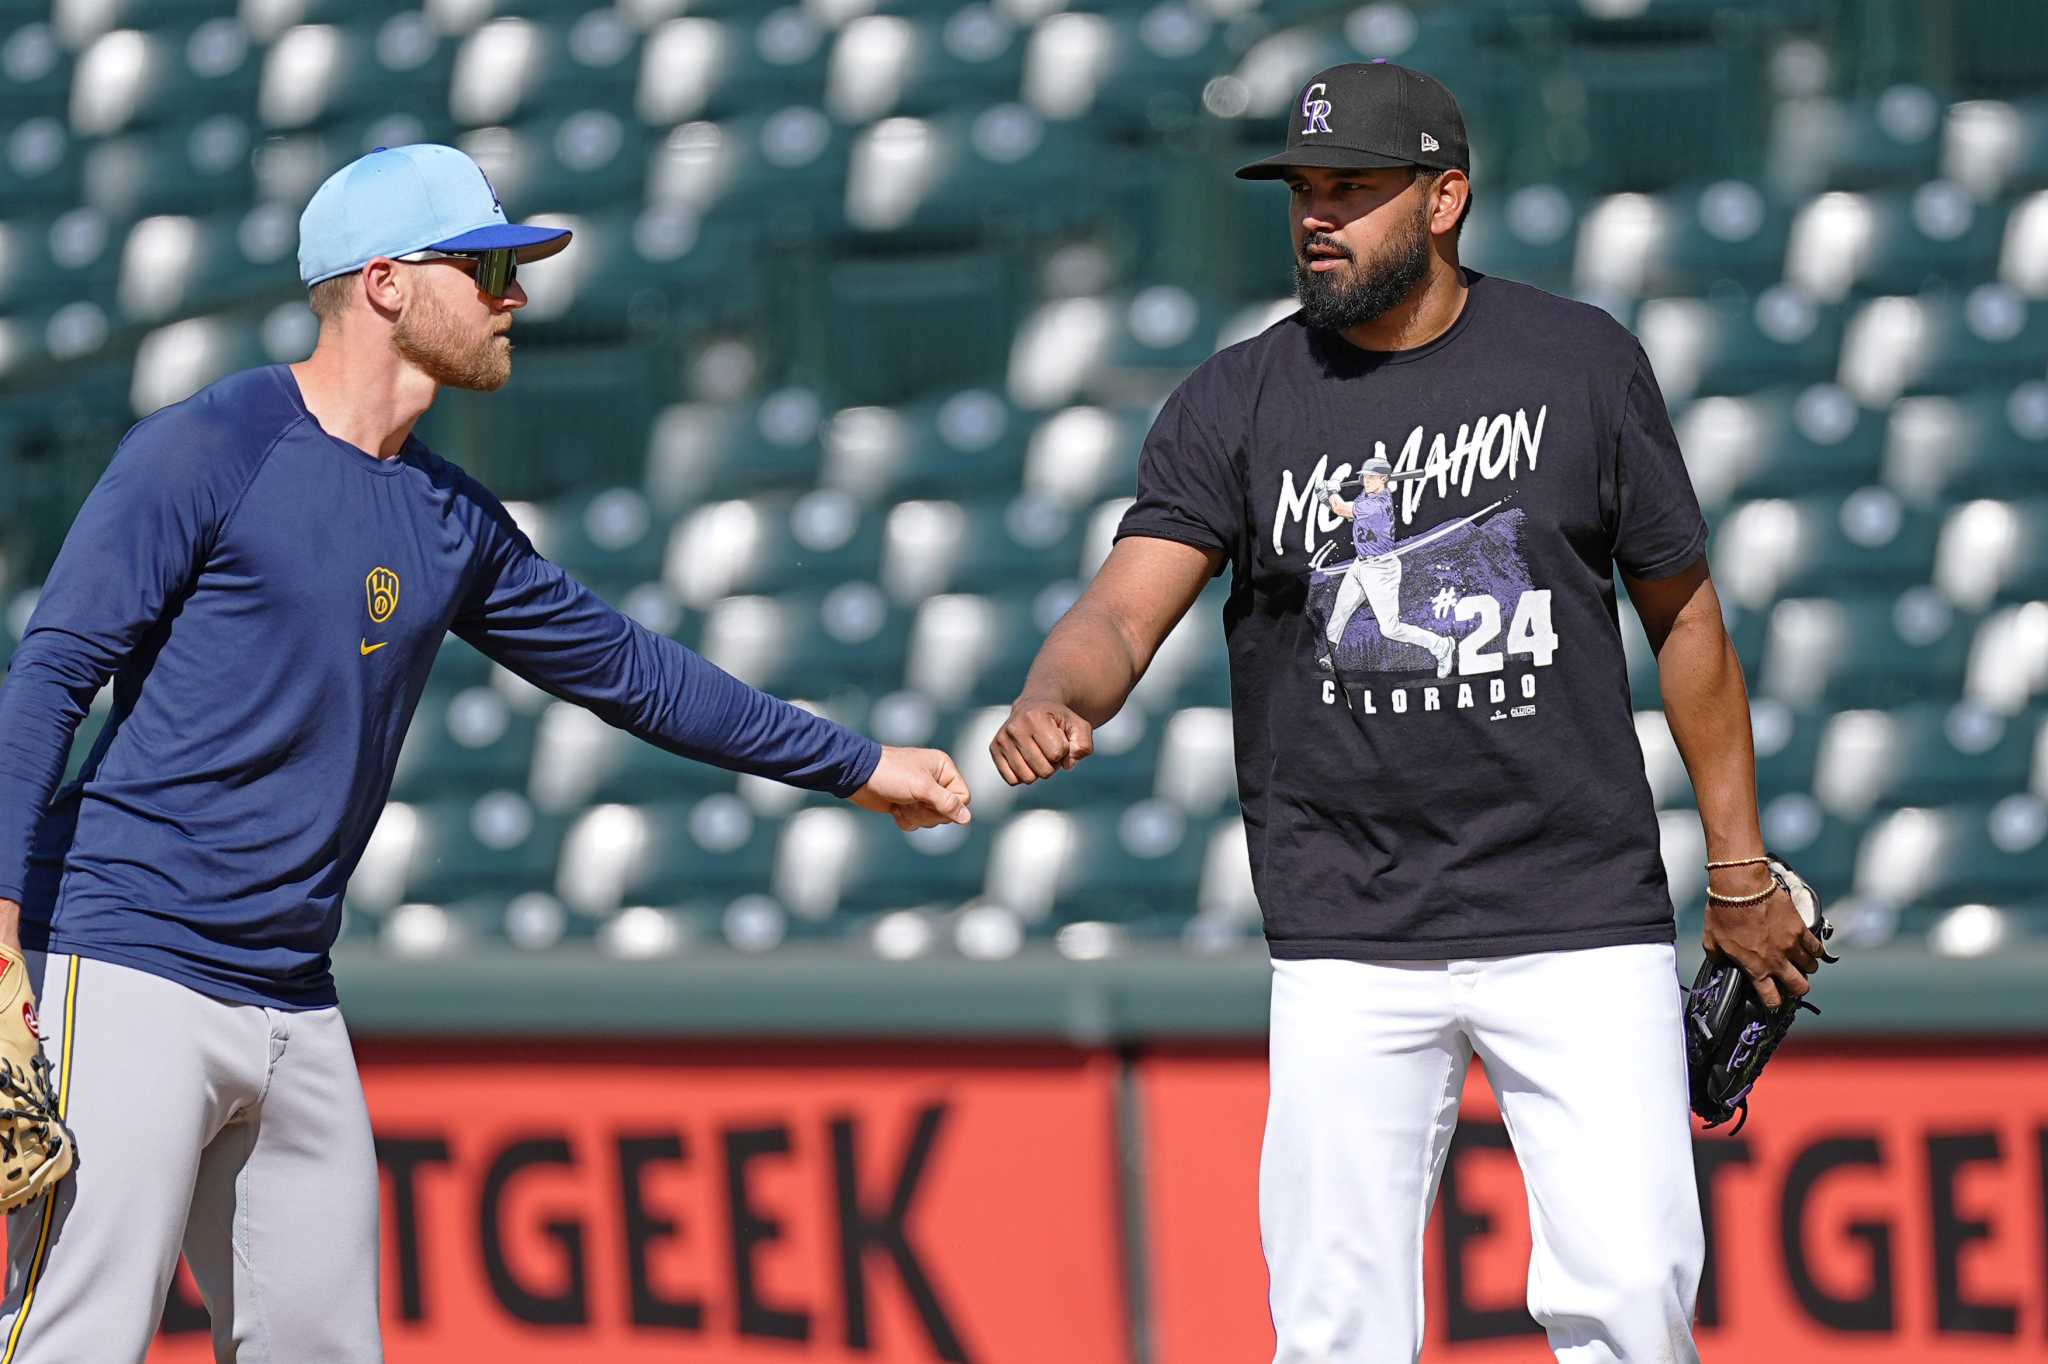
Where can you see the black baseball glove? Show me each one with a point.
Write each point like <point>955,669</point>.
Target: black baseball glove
<point>1729,1031</point>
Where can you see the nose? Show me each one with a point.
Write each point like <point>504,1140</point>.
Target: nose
<point>514,299</point>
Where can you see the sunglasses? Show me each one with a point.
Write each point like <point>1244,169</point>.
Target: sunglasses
<point>496,270</point>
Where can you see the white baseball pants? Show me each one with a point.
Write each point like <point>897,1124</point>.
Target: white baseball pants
<point>235,1133</point>
<point>1377,582</point>
<point>1583,1050</point>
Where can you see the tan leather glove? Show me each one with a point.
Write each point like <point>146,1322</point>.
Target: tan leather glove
<point>35,1150</point>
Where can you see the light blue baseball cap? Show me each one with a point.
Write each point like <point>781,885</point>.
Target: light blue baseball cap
<point>397,200</point>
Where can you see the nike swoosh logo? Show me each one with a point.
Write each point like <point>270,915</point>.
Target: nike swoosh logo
<point>369,648</point>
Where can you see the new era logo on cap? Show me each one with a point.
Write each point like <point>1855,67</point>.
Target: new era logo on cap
<point>1360,115</point>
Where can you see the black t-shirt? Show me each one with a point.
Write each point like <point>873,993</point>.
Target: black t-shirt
<point>1394,814</point>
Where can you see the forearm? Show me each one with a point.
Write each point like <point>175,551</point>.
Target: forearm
<point>1088,664</point>
<point>1707,708</point>
<point>10,924</point>
<point>48,690</point>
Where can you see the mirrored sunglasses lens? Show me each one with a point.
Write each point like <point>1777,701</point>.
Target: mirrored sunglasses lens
<point>495,271</point>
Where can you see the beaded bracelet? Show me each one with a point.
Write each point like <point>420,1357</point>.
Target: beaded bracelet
<point>1718,898</point>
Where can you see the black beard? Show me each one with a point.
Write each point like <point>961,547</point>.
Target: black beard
<point>1330,302</point>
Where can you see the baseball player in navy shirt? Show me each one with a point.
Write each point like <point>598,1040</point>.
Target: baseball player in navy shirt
<point>266,571</point>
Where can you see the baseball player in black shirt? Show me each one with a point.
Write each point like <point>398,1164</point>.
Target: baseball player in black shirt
<point>1454,846</point>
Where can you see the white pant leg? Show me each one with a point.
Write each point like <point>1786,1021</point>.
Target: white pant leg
<point>150,1071</point>
<point>1383,593</point>
<point>1585,1053</point>
<point>1350,592</point>
<point>283,1232</point>
<point>1367,1067</point>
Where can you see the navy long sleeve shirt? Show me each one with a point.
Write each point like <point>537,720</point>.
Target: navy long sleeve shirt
<point>268,601</point>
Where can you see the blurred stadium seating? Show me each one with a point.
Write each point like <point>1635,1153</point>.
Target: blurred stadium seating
<point>871,304</point>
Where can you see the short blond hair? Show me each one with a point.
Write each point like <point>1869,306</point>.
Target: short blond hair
<point>329,298</point>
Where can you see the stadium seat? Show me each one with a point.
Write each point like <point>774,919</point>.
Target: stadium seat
<point>704,452</point>
<point>1779,443</point>
<point>1993,550</point>
<point>1866,142</point>
<point>38,68</point>
<point>1691,240</point>
<point>836,861</point>
<point>1734,345</point>
<point>1991,442</point>
<point>705,67</point>
<point>772,544</point>
<point>40,166</point>
<point>1865,651</point>
<point>464,743</point>
<point>1921,754</point>
<point>492,847</point>
<point>814,644</point>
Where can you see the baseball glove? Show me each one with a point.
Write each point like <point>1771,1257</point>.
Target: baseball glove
<point>1729,1032</point>
<point>35,1150</point>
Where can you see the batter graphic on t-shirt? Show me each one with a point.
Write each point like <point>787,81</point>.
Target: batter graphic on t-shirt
<point>1375,575</point>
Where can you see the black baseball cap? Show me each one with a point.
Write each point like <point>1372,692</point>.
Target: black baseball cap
<point>1369,114</point>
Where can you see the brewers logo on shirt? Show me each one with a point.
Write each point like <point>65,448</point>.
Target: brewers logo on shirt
<point>382,585</point>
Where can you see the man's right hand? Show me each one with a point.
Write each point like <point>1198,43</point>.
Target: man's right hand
<point>1041,737</point>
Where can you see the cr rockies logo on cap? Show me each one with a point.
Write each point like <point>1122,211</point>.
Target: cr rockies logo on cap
<point>1315,109</point>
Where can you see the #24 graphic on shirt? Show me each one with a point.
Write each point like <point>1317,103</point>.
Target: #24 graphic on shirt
<point>1411,621</point>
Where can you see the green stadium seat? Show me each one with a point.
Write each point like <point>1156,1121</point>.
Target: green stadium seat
<point>1866,652</point>
<point>698,66</point>
<point>971,650</point>
<point>493,847</point>
<point>960,55</point>
<point>532,58</point>
<point>702,452</point>
<point>1925,754</point>
<point>37,67</point>
<point>816,644</point>
<point>189,168</point>
<point>712,849</point>
<point>1866,542</point>
<point>1991,335</point>
<point>1931,237</point>
<point>1137,864</point>
<point>40,166</point>
<point>887,869</point>
<point>607,540</point>
<point>1525,234</point>
<point>772,544</point>
<point>47,261</point>
<point>1735,345</point>
<point>1694,240</point>
<point>792,156</point>
<point>1780,443</point>
<point>1867,142</point>
<point>1787,741</point>
<point>464,743</point>
<point>1990,442</point>
<point>1994,551</point>
<point>1999,855</point>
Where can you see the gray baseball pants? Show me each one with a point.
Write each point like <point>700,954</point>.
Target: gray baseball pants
<point>233,1132</point>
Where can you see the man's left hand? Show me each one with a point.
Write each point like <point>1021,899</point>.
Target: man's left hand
<point>919,788</point>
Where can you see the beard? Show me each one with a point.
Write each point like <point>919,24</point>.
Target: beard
<point>430,337</point>
<point>1338,300</point>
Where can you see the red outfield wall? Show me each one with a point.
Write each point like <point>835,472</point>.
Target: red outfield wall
<point>903,1205</point>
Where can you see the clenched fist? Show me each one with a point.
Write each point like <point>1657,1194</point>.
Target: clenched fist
<point>1039,739</point>
<point>919,788</point>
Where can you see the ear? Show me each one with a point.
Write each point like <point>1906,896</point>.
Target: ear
<point>1447,199</point>
<point>384,285</point>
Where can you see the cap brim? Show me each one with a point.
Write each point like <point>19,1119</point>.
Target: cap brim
<point>532,243</point>
<point>1320,157</point>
